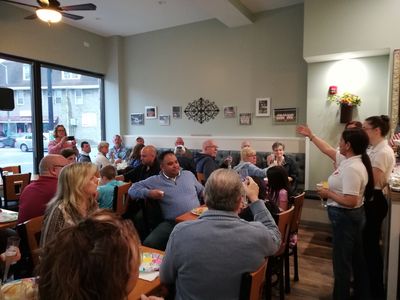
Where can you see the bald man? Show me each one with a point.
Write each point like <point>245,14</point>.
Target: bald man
<point>38,193</point>
<point>149,165</point>
<point>205,160</point>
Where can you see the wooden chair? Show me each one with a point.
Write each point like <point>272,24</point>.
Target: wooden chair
<point>13,185</point>
<point>201,178</point>
<point>121,198</point>
<point>119,177</point>
<point>33,232</point>
<point>285,219</point>
<point>29,232</point>
<point>252,284</point>
<point>13,169</point>
<point>294,228</point>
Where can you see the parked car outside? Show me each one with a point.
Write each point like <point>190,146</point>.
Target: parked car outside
<point>7,141</point>
<point>25,142</point>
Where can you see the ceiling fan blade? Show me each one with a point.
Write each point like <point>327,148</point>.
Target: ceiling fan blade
<point>15,2</point>
<point>31,17</point>
<point>87,6</point>
<point>71,16</point>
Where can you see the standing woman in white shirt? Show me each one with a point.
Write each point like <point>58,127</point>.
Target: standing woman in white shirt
<point>383,161</point>
<point>349,185</point>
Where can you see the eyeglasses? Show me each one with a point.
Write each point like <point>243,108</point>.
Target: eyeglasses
<point>216,147</point>
<point>60,129</point>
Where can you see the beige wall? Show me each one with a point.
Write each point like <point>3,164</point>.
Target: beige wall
<point>59,44</point>
<point>231,66</point>
<point>337,26</point>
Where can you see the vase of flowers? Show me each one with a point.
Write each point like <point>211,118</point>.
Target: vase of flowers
<point>346,101</point>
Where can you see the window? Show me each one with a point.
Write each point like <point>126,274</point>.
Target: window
<point>69,75</point>
<point>20,100</point>
<point>57,96</point>
<point>26,72</point>
<point>78,97</point>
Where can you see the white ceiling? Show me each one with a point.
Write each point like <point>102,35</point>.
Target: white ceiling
<point>129,17</point>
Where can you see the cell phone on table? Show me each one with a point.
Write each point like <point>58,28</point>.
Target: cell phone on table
<point>70,138</point>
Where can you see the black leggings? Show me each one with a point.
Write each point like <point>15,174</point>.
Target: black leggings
<point>375,211</point>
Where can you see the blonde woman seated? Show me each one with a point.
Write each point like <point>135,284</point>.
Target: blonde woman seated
<point>248,159</point>
<point>97,259</point>
<point>101,158</point>
<point>75,199</point>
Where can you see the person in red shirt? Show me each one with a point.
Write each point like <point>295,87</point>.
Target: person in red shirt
<point>38,193</point>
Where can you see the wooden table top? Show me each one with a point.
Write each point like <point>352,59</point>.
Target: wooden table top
<point>143,286</point>
<point>188,216</point>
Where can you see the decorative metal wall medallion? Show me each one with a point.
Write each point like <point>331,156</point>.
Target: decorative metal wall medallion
<point>201,110</point>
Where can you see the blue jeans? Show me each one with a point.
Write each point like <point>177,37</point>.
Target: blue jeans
<point>348,252</point>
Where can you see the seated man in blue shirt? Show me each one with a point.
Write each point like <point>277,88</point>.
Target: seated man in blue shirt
<point>178,192</point>
<point>106,189</point>
<point>206,258</point>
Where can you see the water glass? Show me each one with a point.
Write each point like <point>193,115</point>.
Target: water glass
<point>319,187</point>
<point>11,251</point>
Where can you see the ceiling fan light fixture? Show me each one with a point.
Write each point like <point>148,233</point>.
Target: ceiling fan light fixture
<point>49,15</point>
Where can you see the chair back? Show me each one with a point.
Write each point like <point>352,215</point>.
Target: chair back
<point>13,169</point>
<point>119,177</point>
<point>121,198</point>
<point>284,222</point>
<point>298,207</point>
<point>201,178</point>
<point>13,185</point>
<point>33,231</point>
<point>252,284</point>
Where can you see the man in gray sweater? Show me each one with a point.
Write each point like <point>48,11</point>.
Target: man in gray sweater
<point>206,258</point>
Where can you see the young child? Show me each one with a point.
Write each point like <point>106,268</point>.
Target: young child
<point>107,185</point>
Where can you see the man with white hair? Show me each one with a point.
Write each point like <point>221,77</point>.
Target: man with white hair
<point>38,193</point>
<point>219,245</point>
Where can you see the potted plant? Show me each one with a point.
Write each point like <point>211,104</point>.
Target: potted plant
<point>346,101</point>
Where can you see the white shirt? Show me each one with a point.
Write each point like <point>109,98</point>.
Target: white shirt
<point>382,158</point>
<point>101,161</point>
<point>350,178</point>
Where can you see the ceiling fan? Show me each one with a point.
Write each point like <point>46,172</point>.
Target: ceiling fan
<point>51,11</point>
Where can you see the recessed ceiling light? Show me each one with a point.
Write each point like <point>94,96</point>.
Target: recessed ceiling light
<point>161,2</point>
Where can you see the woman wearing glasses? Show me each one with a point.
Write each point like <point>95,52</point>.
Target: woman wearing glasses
<point>383,161</point>
<point>62,141</point>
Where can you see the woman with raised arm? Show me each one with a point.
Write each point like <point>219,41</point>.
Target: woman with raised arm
<point>349,186</point>
<point>383,161</point>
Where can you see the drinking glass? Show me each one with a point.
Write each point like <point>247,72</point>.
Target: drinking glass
<point>322,185</point>
<point>11,251</point>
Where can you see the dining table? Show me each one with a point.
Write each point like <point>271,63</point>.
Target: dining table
<point>8,218</point>
<point>191,215</point>
<point>146,287</point>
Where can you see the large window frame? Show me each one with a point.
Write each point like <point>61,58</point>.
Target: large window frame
<point>36,96</point>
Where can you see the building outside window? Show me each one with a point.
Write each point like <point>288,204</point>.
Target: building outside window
<point>69,75</point>
<point>26,72</point>
<point>78,97</point>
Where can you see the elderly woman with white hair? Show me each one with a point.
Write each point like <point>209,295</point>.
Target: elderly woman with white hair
<point>101,158</point>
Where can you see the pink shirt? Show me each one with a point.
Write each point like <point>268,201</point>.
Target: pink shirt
<point>56,147</point>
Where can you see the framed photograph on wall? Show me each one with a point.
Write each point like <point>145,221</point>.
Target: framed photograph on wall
<point>164,120</point>
<point>151,112</point>
<point>229,111</point>
<point>285,116</point>
<point>263,107</point>
<point>177,112</point>
<point>137,119</point>
<point>245,119</point>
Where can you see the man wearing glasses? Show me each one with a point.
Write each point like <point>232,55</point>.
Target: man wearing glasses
<point>38,193</point>
<point>205,160</point>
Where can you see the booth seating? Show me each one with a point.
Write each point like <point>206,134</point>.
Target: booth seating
<point>299,158</point>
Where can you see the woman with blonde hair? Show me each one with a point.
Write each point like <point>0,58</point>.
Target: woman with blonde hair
<point>75,199</point>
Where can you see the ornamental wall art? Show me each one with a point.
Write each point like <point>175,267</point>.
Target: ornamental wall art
<point>201,110</point>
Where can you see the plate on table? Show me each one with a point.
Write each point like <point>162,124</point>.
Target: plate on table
<point>395,188</point>
<point>198,211</point>
<point>150,262</point>
<point>8,216</point>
